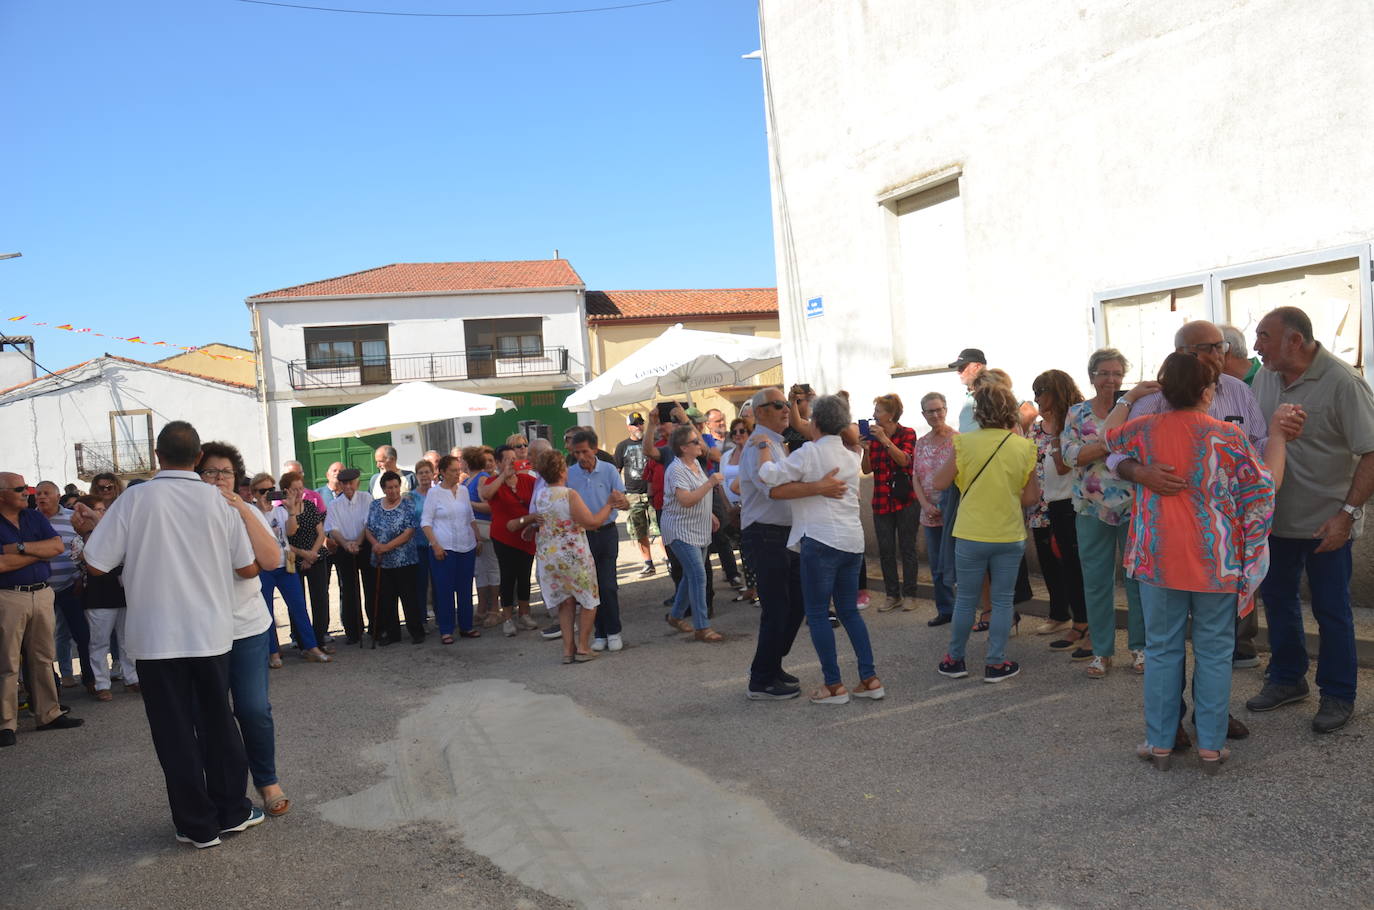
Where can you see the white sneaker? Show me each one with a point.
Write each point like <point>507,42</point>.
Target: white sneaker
<point>598,644</point>
<point>614,643</point>
<point>509,628</point>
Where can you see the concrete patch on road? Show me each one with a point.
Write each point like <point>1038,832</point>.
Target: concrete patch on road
<point>576,806</point>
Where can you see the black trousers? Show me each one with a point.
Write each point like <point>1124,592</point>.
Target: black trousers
<point>197,742</point>
<point>399,582</point>
<point>357,589</point>
<point>69,602</point>
<point>780,598</point>
<point>1063,574</point>
<point>604,544</point>
<point>515,565</point>
<point>317,592</point>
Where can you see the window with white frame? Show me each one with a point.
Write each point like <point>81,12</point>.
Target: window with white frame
<point>929,274</point>
<point>1331,286</point>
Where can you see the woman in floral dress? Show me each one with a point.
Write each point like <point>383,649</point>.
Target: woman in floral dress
<point>567,576</point>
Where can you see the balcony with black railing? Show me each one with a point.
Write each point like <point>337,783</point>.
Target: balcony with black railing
<point>445,367</point>
<point>123,458</point>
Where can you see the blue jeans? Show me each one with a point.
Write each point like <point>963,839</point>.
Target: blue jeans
<point>1166,614</point>
<point>973,561</point>
<point>293,593</point>
<point>692,591</point>
<point>829,574</point>
<point>944,591</point>
<point>1328,577</point>
<point>1101,551</point>
<point>248,675</point>
<point>72,628</point>
<point>453,588</point>
<point>422,554</point>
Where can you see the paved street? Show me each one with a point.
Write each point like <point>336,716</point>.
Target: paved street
<point>487,774</point>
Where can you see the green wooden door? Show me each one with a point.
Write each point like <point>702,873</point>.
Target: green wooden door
<point>545,407</point>
<point>316,457</point>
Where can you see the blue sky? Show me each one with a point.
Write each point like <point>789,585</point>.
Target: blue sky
<point>164,159</point>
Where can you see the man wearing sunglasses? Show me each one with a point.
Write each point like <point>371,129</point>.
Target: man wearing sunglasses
<point>27,543</point>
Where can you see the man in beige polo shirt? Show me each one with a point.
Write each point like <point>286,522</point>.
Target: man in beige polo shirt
<point>1317,514</point>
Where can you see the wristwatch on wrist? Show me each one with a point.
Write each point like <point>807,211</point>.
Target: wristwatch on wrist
<point>19,548</point>
<point>1355,512</point>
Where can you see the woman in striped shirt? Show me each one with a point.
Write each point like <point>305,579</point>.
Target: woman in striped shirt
<point>687,525</point>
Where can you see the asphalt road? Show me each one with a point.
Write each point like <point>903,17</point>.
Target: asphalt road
<point>487,774</point>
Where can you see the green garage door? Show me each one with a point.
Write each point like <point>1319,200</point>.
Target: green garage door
<point>316,457</point>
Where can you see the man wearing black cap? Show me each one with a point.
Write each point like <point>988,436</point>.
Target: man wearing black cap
<point>968,365</point>
<point>631,460</point>
<point>346,525</point>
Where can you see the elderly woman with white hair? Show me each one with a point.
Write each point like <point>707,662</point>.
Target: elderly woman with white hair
<point>828,535</point>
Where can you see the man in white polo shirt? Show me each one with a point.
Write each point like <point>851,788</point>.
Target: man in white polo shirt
<point>181,544</point>
<point>346,524</point>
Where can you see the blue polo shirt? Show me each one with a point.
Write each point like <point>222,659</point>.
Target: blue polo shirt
<point>32,527</point>
<point>595,486</point>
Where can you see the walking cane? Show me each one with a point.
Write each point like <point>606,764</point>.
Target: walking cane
<point>376,596</point>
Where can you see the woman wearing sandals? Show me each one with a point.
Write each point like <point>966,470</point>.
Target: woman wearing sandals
<point>687,525</point>
<point>451,526</point>
<point>282,521</point>
<point>1103,502</point>
<point>390,529</point>
<point>1199,554</point>
<point>559,520</point>
<point>219,465</point>
<point>994,468</point>
<point>830,538</point>
<point>509,493</point>
<point>1052,520</point>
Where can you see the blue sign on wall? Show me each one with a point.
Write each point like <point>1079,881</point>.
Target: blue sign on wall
<point>815,307</point>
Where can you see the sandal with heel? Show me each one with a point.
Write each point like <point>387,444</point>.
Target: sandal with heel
<point>1147,752</point>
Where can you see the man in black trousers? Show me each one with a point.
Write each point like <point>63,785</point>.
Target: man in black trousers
<point>181,545</point>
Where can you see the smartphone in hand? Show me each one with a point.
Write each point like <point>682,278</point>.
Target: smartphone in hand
<point>865,432</point>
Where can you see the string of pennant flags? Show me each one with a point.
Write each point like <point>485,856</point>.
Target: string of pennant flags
<point>132,339</point>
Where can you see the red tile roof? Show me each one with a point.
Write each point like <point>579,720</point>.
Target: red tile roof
<point>656,306</point>
<point>155,366</point>
<point>428,277</point>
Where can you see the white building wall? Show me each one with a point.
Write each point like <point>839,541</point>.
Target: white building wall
<point>417,325</point>
<point>42,427</point>
<point>1100,145</point>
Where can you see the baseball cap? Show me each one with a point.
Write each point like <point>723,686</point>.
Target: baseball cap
<point>967,356</point>
<point>348,474</point>
<point>695,415</point>
<point>635,419</point>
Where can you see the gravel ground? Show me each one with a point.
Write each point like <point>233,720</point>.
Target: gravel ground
<point>1031,784</point>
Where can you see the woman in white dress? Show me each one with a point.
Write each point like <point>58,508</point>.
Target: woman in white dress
<point>567,577</point>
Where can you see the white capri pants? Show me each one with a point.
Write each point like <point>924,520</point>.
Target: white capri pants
<point>486,573</point>
<point>102,622</point>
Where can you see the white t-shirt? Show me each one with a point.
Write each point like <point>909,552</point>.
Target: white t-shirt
<point>449,513</point>
<point>250,609</point>
<point>179,543</point>
<point>833,522</point>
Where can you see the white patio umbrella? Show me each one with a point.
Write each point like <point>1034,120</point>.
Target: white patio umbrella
<point>408,404</point>
<point>676,363</point>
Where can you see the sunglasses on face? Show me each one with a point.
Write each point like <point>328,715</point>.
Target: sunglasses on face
<point>779,405</point>
<point>104,488</point>
<point>523,445</point>
<point>262,492</point>
<point>19,489</point>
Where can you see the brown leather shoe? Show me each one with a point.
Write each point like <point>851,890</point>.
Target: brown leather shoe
<point>1235,729</point>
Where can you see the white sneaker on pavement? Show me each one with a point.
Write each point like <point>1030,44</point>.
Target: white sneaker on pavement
<point>598,644</point>
<point>614,643</point>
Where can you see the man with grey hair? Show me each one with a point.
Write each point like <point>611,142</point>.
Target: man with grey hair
<point>385,457</point>
<point>1238,362</point>
<point>765,526</point>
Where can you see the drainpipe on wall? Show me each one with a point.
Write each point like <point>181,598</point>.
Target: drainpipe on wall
<point>260,379</point>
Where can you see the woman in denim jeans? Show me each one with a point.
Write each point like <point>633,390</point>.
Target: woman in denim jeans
<point>687,525</point>
<point>994,468</point>
<point>830,538</point>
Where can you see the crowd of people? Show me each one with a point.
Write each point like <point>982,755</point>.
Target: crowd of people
<point>1216,482</point>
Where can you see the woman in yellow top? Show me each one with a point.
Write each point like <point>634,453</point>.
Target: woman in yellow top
<point>994,468</point>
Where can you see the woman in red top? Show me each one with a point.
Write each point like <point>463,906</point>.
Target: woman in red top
<point>509,493</point>
<point>896,511</point>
